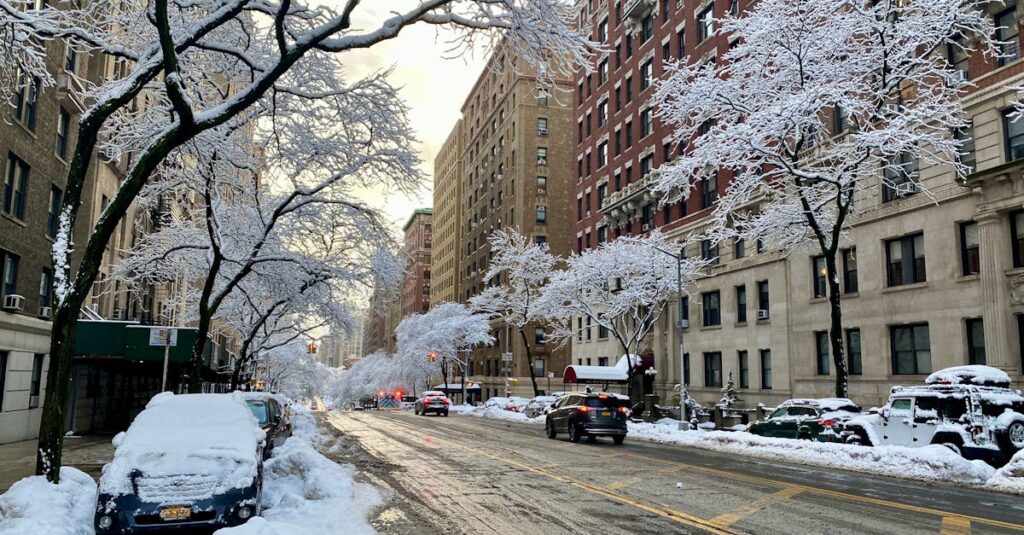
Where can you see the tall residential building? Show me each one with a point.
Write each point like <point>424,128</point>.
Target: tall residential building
<point>760,316</point>
<point>418,242</point>
<point>448,218</point>
<point>516,153</point>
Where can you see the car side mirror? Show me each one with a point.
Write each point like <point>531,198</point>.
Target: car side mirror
<point>885,413</point>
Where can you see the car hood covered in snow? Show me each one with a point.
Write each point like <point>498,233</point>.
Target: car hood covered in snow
<point>185,448</point>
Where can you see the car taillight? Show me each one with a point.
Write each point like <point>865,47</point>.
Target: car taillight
<point>623,410</point>
<point>446,401</point>
<point>584,409</point>
<point>828,423</point>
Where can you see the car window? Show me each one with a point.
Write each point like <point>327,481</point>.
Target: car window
<point>259,410</point>
<point>779,413</point>
<point>900,406</point>
<point>802,411</point>
<point>599,402</point>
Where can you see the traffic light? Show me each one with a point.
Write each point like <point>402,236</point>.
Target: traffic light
<point>311,348</point>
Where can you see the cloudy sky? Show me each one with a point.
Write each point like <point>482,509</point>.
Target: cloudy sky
<point>433,84</point>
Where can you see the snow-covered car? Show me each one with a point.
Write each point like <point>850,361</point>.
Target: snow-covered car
<point>269,410</point>
<point>513,404</point>
<point>969,409</point>
<point>408,403</point>
<point>186,463</point>
<point>807,419</point>
<point>433,401</point>
<point>538,406</point>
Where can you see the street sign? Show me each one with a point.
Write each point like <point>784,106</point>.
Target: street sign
<point>163,336</point>
<point>506,357</point>
<point>551,375</point>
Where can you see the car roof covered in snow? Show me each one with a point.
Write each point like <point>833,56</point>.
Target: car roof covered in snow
<point>201,434</point>
<point>827,404</point>
<point>973,374</point>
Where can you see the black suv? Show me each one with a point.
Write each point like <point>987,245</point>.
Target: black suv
<point>590,415</point>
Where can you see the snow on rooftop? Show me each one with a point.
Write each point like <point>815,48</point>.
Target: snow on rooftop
<point>210,436</point>
<point>972,374</point>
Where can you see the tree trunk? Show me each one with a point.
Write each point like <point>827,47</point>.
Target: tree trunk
<point>529,362</point>
<point>835,332</point>
<point>195,383</point>
<point>58,391</point>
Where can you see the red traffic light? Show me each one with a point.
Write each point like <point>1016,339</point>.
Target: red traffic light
<point>432,357</point>
<point>380,394</point>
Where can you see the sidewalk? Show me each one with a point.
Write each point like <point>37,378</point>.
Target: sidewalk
<point>88,454</point>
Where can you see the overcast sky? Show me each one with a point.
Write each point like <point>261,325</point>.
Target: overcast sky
<point>433,86</point>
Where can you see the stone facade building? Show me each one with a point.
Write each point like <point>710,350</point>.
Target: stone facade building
<point>930,281</point>
<point>448,220</point>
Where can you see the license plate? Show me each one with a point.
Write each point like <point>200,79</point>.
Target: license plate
<point>175,513</point>
<point>606,413</point>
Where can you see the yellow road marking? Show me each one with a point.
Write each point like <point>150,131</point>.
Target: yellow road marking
<point>616,485</point>
<point>729,519</point>
<point>954,525</point>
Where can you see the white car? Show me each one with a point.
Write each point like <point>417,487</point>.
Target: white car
<point>968,409</point>
<point>513,404</point>
<point>538,406</point>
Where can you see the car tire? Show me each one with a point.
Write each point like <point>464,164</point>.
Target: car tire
<point>619,439</point>
<point>549,428</point>
<point>574,432</point>
<point>591,439</point>
<point>1012,440</point>
<point>445,414</point>
<point>859,438</point>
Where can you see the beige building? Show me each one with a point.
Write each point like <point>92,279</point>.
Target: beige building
<point>516,157</point>
<point>448,220</point>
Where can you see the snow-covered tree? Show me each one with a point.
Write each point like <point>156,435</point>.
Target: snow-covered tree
<point>520,268</point>
<point>816,103</point>
<point>443,331</point>
<point>182,70</point>
<point>729,395</point>
<point>622,286</point>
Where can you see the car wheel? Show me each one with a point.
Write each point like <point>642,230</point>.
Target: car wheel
<point>591,439</point>
<point>619,439</point>
<point>445,414</point>
<point>859,438</point>
<point>952,447</point>
<point>1013,438</point>
<point>574,432</point>
<point>549,428</point>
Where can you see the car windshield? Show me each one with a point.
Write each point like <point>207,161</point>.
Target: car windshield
<point>600,402</point>
<point>259,410</point>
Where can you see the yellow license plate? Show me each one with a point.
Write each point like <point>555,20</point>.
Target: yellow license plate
<point>175,513</point>
<point>606,413</point>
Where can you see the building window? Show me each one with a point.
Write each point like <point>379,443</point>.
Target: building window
<point>741,304</point>
<point>542,155</point>
<point>664,11</point>
<point>3,377</point>
<point>840,118</point>
<point>70,58</point>
<point>1014,137</point>
<point>957,56</point>
<point>602,72</point>
<point>905,260</point>
<point>629,134</point>
<point>46,288</point>
<point>628,84</point>
<point>26,102</point>
<point>681,44</point>
<point>647,216</point>
<point>966,154</point>
<point>704,23</point>
<point>975,340</point>
<point>686,369</point>
<point>1017,237</point>
<point>542,185</point>
<point>629,45</point>
<point>821,346</point>
<point>646,74</point>
<point>970,261</point>
<point>686,308</point>
<point>63,129</point>
<point>1006,33</point>
<point>37,380</point>
<point>646,122</point>
<point>53,217</point>
<point>734,7</point>
<point>589,328</point>
<point>538,368</point>
<point>602,334</point>
<point>744,369</point>
<point>542,214</point>
<point>850,270</point>
<point>646,164</point>
<point>646,28</point>
<point>853,352</point>
<point>713,369</point>
<point>602,361</point>
<point>602,113</point>
<point>542,126</point>
<point>602,192</point>
<point>708,190</point>
<point>9,266</point>
<point>15,187</point>
<point>709,251</point>
<point>820,276</point>
<point>602,154</point>
<point>542,97</point>
<point>911,354</point>
<point>602,30</point>
<point>602,235</point>
<point>762,298</point>
<point>766,369</point>
<point>739,248</point>
<point>900,177</point>
<point>711,302</point>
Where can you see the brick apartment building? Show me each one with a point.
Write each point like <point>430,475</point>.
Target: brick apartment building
<point>418,242</point>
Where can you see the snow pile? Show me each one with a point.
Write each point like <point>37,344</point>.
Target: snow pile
<point>1009,478</point>
<point>928,463</point>
<point>495,413</point>
<point>33,506</point>
<point>212,436</point>
<point>305,493</point>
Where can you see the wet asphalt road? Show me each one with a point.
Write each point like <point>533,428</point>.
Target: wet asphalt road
<point>471,475</point>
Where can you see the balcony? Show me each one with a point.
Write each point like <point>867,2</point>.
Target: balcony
<point>623,206</point>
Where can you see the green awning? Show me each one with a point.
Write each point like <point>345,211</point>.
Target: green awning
<point>130,341</point>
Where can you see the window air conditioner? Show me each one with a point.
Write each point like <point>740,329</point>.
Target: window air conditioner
<point>762,314</point>
<point>14,302</point>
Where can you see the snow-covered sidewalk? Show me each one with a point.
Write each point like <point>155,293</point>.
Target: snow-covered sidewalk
<point>304,493</point>
<point>929,463</point>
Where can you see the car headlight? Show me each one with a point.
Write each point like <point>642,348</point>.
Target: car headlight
<point>244,512</point>
<point>105,522</point>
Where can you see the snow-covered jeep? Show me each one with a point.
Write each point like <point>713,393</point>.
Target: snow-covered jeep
<point>968,409</point>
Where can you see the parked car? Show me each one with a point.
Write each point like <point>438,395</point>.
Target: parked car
<point>591,415</point>
<point>807,419</point>
<point>968,409</point>
<point>273,418</point>
<point>433,401</point>
<point>187,462</point>
<point>538,406</point>
<point>408,403</point>
<point>513,404</point>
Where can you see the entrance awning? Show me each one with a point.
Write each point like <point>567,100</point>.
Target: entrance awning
<point>618,374</point>
<point>457,387</point>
